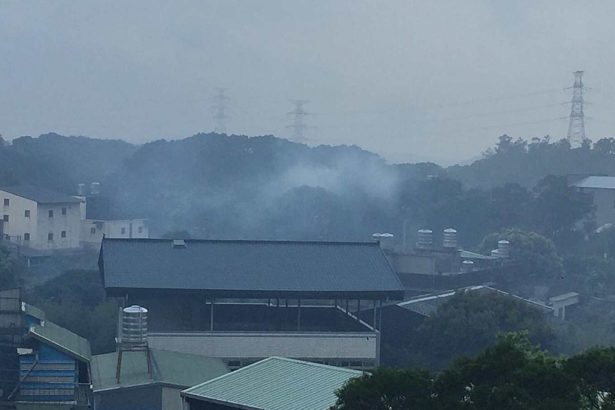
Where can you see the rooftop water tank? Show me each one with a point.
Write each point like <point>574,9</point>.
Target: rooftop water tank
<point>424,239</point>
<point>81,189</point>
<point>95,188</point>
<point>503,248</point>
<point>467,266</point>
<point>134,326</point>
<point>450,239</point>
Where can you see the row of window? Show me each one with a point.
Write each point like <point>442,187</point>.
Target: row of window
<point>26,214</point>
<point>26,236</point>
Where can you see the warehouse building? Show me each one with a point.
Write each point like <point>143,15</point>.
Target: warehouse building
<point>242,301</point>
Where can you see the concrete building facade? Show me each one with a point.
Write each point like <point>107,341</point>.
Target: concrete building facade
<point>45,221</point>
<point>40,219</point>
<point>602,192</point>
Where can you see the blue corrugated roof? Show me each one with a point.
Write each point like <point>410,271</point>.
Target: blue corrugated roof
<point>39,194</point>
<point>276,384</point>
<point>249,266</point>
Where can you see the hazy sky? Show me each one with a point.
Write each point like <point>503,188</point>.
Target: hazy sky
<point>408,79</point>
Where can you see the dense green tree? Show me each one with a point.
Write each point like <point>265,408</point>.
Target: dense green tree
<point>387,389</point>
<point>470,322</point>
<point>594,371</point>
<point>9,270</point>
<point>76,301</point>
<point>534,255</point>
<point>512,374</point>
<point>558,206</point>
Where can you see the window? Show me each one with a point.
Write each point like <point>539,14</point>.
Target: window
<point>92,231</point>
<point>51,213</point>
<point>5,218</point>
<point>6,202</point>
<point>63,234</point>
<point>26,213</point>
<point>140,229</point>
<point>123,231</point>
<point>50,236</point>
<point>63,211</point>
<point>26,236</point>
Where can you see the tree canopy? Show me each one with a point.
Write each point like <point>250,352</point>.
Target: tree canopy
<point>511,374</point>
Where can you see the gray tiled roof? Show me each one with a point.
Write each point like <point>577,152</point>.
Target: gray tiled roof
<point>241,267</point>
<point>40,195</point>
<point>596,182</point>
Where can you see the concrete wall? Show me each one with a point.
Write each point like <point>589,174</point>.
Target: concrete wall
<point>70,223</point>
<point>18,223</point>
<point>604,201</point>
<point>137,398</point>
<point>171,399</point>
<point>257,345</point>
<point>92,230</point>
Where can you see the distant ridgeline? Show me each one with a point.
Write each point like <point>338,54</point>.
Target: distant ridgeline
<point>222,186</point>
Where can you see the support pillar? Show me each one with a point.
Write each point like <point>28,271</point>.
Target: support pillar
<point>211,315</point>
<point>298,314</point>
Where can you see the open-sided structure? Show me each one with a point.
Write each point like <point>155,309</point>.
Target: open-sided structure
<point>246,300</point>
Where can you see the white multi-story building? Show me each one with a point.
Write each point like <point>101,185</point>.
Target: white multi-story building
<point>93,230</point>
<point>45,220</point>
<point>602,191</point>
<point>40,218</point>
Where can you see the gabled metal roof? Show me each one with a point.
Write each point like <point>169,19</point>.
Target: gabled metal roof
<point>250,267</point>
<point>276,384</point>
<point>168,368</point>
<point>596,182</point>
<point>40,195</point>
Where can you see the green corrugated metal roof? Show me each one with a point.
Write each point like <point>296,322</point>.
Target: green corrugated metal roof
<point>32,311</point>
<point>173,368</point>
<point>474,255</point>
<point>276,384</point>
<point>63,339</point>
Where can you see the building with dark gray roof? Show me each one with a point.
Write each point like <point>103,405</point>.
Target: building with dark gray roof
<point>246,300</point>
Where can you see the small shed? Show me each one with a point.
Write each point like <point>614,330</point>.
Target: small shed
<point>155,386</point>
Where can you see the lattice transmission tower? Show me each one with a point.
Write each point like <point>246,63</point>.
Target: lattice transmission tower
<point>576,127</point>
<point>298,124</point>
<point>219,110</point>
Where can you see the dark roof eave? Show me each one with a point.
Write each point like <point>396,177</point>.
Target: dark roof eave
<point>272,293</point>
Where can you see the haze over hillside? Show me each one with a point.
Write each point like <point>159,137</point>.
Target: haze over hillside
<point>214,185</point>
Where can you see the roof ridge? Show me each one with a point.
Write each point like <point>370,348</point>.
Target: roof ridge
<point>314,364</point>
<point>257,241</point>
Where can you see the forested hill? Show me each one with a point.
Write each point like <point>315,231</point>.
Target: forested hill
<point>265,187</point>
<point>60,162</point>
<point>526,162</point>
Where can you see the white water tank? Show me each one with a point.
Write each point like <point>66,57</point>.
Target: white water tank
<point>95,188</point>
<point>503,248</point>
<point>424,239</point>
<point>467,266</point>
<point>450,238</point>
<point>81,189</point>
<point>134,326</point>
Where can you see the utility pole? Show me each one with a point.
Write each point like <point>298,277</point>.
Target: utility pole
<point>298,125</point>
<point>219,110</point>
<point>576,127</point>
